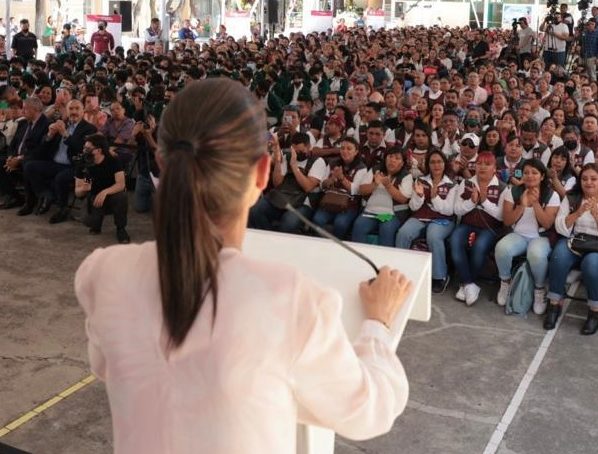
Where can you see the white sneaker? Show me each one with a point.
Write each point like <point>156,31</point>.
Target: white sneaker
<point>503,293</point>
<point>539,301</point>
<point>460,295</point>
<point>472,293</point>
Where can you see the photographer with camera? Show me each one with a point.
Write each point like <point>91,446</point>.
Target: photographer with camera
<point>555,40</point>
<point>101,179</point>
<point>144,138</point>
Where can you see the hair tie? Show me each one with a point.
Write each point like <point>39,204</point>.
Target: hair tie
<point>184,145</point>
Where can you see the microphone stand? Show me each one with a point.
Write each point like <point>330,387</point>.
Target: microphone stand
<point>320,231</point>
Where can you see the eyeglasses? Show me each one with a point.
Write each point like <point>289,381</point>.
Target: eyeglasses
<point>467,143</point>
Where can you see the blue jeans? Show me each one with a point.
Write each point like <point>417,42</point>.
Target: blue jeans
<point>263,216</point>
<point>144,190</point>
<point>435,236</point>
<point>341,222</point>
<point>558,58</point>
<point>469,263</point>
<point>562,261</point>
<point>365,225</point>
<point>537,251</point>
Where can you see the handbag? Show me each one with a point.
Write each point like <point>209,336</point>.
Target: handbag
<point>336,201</point>
<point>582,243</point>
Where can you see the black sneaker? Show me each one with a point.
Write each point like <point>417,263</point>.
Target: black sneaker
<point>122,236</point>
<point>60,216</point>
<point>553,312</point>
<point>440,285</point>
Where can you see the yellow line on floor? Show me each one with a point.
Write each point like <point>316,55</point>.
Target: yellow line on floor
<point>13,425</point>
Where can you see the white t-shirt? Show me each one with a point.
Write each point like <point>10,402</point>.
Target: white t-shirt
<point>528,225</point>
<point>559,44</point>
<point>381,202</point>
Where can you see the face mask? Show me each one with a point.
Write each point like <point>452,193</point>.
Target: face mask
<point>570,90</point>
<point>450,105</point>
<point>570,144</point>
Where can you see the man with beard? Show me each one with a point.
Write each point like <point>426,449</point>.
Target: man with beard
<point>24,43</point>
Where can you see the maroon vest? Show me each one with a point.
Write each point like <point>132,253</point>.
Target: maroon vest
<point>426,211</point>
<point>478,217</point>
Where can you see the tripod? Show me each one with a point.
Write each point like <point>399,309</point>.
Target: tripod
<point>579,41</point>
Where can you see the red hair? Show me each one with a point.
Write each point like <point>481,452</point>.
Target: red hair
<point>486,157</point>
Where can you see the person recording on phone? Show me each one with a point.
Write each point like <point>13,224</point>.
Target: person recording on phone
<point>296,177</point>
<point>291,124</point>
<point>191,308</point>
<point>100,177</point>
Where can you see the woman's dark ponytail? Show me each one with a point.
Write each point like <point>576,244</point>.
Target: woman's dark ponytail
<point>188,245</point>
<point>210,137</point>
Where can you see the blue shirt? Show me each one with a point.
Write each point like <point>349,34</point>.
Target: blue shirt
<point>186,33</point>
<point>590,44</point>
<point>62,156</point>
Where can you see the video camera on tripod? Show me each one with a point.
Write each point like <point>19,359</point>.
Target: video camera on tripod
<point>552,11</point>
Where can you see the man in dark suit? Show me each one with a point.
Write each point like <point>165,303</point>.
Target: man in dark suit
<point>52,178</point>
<point>25,146</point>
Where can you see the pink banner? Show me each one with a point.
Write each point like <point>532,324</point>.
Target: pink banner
<point>321,13</point>
<point>113,18</point>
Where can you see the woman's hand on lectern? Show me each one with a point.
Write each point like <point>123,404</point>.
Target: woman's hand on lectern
<point>384,296</point>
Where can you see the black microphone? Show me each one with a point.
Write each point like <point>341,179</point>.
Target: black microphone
<point>320,231</point>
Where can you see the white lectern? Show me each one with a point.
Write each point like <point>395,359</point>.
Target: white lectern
<point>313,257</point>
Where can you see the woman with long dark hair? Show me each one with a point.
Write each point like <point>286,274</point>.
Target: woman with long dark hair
<point>578,214</point>
<point>530,209</point>
<point>560,172</point>
<point>347,175</point>
<point>207,350</point>
<point>387,205</point>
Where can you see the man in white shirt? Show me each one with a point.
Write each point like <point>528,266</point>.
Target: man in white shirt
<point>555,41</point>
<point>526,39</point>
<point>479,94</point>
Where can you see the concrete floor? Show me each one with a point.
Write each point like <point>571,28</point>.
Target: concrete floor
<point>464,366</point>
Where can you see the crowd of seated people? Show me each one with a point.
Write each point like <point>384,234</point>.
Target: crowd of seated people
<point>448,139</point>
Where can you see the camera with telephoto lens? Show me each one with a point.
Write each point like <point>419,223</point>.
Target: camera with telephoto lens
<point>82,163</point>
<point>583,5</point>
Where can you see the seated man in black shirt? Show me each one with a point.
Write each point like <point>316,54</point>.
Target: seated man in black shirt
<point>480,51</point>
<point>101,178</point>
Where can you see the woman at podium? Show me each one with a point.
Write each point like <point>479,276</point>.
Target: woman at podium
<point>204,349</point>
